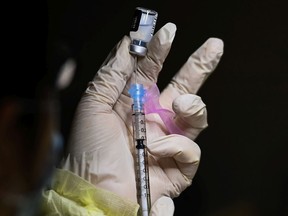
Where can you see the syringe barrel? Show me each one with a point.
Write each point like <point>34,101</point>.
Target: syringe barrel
<point>137,93</point>
<point>139,126</point>
<point>142,178</point>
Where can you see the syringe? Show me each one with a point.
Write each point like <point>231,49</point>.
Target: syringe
<point>142,30</point>
<point>137,93</point>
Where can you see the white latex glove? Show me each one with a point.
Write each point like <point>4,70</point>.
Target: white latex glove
<point>101,144</point>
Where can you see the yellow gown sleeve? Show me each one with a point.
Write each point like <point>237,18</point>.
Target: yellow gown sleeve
<point>72,195</point>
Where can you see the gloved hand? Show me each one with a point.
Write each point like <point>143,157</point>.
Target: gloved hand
<point>101,144</point>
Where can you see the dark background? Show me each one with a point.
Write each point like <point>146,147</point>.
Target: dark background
<point>244,164</point>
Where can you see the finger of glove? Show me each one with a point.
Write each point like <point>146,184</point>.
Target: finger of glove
<point>164,206</point>
<point>186,154</point>
<point>158,49</point>
<point>194,72</point>
<point>112,77</point>
<point>191,114</point>
<point>148,67</point>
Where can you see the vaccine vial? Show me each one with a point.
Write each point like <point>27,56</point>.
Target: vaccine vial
<point>142,30</point>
